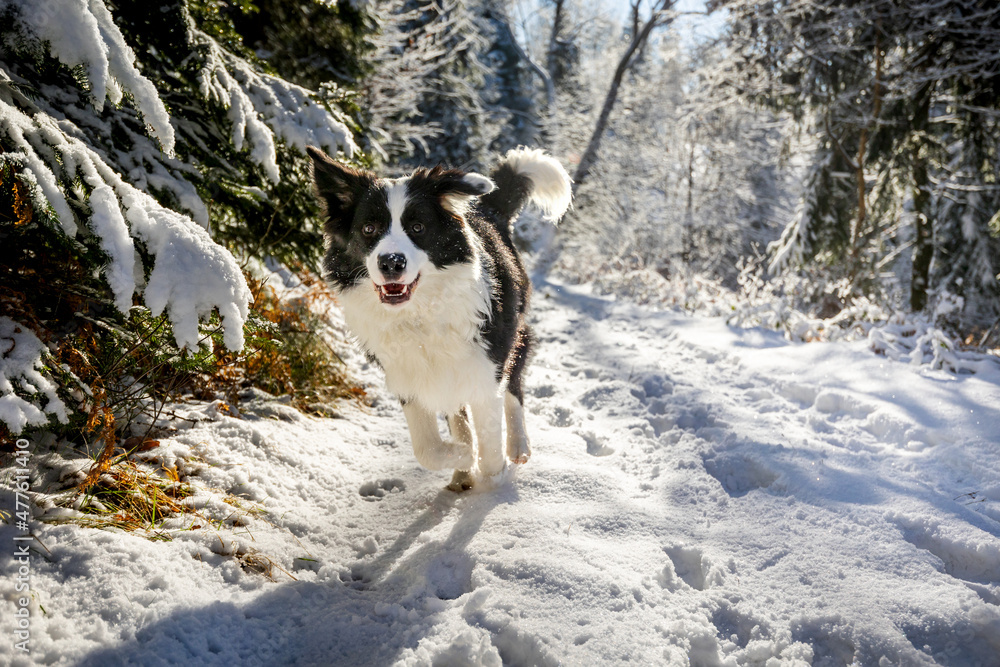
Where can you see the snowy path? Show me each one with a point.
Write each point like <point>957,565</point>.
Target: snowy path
<point>697,495</point>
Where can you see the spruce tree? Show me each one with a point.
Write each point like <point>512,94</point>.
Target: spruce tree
<point>141,146</point>
<point>903,108</point>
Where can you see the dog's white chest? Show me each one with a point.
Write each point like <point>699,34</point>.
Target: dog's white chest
<point>430,351</point>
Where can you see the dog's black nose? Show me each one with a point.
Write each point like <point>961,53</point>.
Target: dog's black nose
<point>392,265</point>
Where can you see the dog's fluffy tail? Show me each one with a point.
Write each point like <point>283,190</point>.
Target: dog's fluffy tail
<point>528,174</point>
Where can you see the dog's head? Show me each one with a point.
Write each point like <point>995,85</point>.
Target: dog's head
<point>389,232</point>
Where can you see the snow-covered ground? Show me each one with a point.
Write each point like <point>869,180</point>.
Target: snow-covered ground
<point>698,494</point>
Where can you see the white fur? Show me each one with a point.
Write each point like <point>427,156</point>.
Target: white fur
<point>459,203</point>
<point>487,419</point>
<point>429,347</point>
<point>553,188</point>
<point>430,450</point>
<point>483,184</point>
<point>395,197</point>
<point>397,240</point>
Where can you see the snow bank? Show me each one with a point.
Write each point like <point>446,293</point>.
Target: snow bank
<point>779,303</point>
<point>750,501</point>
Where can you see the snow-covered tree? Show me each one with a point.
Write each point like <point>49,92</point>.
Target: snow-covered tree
<point>129,136</point>
<point>638,35</point>
<point>447,86</point>
<point>679,178</point>
<point>686,181</point>
<point>902,102</point>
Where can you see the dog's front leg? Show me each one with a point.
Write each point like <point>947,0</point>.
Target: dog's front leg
<point>487,418</point>
<point>431,451</point>
<point>461,430</point>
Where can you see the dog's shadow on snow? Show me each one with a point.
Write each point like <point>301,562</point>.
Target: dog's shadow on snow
<point>368,620</point>
<point>404,566</point>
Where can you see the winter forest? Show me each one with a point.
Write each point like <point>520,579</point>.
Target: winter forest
<point>765,401</point>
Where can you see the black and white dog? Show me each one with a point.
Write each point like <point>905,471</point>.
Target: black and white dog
<point>432,287</point>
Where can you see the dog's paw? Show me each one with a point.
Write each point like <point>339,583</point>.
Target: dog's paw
<point>518,450</point>
<point>461,480</point>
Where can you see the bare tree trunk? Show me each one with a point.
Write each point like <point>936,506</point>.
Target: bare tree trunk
<point>687,239</point>
<point>639,38</point>
<point>923,248</point>
<point>557,21</point>
<point>857,227</point>
<point>550,129</point>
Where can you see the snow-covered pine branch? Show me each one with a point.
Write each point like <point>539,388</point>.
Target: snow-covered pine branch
<point>95,152</point>
<point>191,275</point>
<point>262,107</point>
<point>82,33</point>
<point>20,362</point>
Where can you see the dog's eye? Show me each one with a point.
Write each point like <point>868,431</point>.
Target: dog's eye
<point>417,228</point>
<point>368,229</point>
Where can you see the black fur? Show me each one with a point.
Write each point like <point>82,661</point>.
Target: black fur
<point>509,198</point>
<point>506,330</point>
<point>442,239</point>
<point>350,200</point>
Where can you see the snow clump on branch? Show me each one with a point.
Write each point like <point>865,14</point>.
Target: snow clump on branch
<point>191,274</point>
<point>20,358</point>
<point>83,33</point>
<point>288,110</point>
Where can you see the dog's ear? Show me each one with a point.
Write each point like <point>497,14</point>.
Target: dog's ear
<point>453,188</point>
<point>338,186</point>
<point>452,182</point>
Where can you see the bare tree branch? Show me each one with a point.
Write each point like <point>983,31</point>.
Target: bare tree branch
<point>659,16</point>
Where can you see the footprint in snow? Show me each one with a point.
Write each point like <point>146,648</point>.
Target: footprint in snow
<point>798,393</point>
<point>739,475</point>
<point>690,566</point>
<point>615,397</point>
<point>964,642</point>
<point>449,576</point>
<point>561,416</point>
<point>377,490</point>
<point>739,626</point>
<point>830,637</point>
<point>543,391</point>
<point>837,404</point>
<point>976,562</point>
<point>656,386</point>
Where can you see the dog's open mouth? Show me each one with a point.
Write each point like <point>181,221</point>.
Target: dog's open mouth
<point>396,293</point>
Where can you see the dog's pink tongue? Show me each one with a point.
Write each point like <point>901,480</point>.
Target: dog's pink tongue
<point>394,288</point>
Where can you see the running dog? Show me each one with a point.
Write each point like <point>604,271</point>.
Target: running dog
<point>433,288</point>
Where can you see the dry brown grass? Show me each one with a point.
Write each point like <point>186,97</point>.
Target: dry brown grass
<point>127,497</point>
<point>299,362</point>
